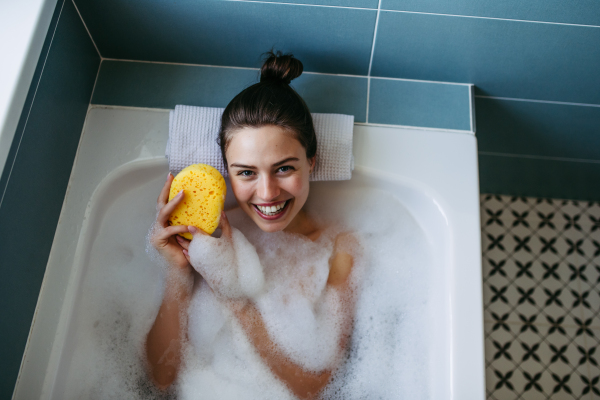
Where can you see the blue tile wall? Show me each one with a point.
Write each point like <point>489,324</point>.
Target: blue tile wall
<point>579,12</point>
<point>539,129</point>
<point>502,58</point>
<point>36,176</point>
<point>424,104</point>
<point>137,84</point>
<point>166,85</point>
<point>534,50</point>
<point>334,94</point>
<point>539,177</point>
<point>231,33</point>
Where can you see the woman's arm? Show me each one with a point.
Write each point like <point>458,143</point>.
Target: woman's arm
<point>304,384</point>
<point>165,339</point>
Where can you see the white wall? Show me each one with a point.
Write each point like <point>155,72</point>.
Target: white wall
<point>23,28</point>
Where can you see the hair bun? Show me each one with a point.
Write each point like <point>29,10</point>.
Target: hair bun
<point>280,68</point>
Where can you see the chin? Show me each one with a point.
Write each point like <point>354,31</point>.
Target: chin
<point>271,227</point>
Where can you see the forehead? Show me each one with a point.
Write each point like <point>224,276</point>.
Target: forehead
<point>267,143</point>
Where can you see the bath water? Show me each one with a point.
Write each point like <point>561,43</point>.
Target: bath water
<point>389,353</point>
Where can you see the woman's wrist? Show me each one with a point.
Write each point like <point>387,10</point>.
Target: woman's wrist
<point>179,281</point>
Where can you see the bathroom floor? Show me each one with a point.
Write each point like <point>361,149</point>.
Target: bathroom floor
<point>541,287</point>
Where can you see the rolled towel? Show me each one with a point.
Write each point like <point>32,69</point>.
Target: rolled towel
<point>193,133</point>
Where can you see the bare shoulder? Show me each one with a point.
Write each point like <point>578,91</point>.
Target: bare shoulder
<point>345,247</point>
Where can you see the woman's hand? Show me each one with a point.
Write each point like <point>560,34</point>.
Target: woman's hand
<point>226,234</point>
<point>213,258</point>
<point>164,238</point>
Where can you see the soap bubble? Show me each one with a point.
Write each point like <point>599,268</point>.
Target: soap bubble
<point>388,355</point>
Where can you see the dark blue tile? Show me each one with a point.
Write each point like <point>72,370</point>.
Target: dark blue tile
<point>584,12</point>
<point>340,3</point>
<point>502,58</point>
<point>228,33</point>
<point>47,138</point>
<point>519,176</point>
<point>541,129</point>
<point>424,104</point>
<point>154,85</point>
<point>334,94</point>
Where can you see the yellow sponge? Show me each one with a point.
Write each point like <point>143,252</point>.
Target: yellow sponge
<point>203,198</point>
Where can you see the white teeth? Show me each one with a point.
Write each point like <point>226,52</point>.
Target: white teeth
<point>271,210</point>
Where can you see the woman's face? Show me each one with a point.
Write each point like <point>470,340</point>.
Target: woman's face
<point>269,174</point>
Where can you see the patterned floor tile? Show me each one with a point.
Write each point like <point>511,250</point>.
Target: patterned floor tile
<point>541,283</point>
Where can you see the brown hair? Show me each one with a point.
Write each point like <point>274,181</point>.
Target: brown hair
<point>271,102</point>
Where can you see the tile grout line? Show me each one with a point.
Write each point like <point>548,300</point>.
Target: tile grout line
<point>418,80</point>
<point>301,4</point>
<point>471,109</point>
<point>95,83</point>
<point>368,97</point>
<point>421,12</point>
<point>534,157</point>
<point>86,28</point>
<point>494,18</point>
<point>32,103</point>
<point>305,72</point>
<point>371,60</point>
<point>564,103</point>
<point>112,106</point>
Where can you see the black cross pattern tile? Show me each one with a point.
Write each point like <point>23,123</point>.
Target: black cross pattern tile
<point>541,284</point>
<point>528,362</point>
<point>590,358</point>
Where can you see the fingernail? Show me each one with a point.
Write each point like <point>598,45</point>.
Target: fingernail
<point>192,230</point>
<point>180,193</point>
<point>185,252</point>
<point>169,174</point>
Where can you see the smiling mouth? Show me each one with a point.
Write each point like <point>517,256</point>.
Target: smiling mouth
<point>271,211</point>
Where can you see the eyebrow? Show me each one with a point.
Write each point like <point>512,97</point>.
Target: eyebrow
<point>274,165</point>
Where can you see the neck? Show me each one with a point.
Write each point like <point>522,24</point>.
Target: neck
<point>303,225</point>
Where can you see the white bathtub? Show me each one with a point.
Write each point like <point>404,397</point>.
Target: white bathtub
<point>121,158</point>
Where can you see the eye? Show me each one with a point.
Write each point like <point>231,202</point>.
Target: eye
<point>286,168</point>
<point>245,173</point>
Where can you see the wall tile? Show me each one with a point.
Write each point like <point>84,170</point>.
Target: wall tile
<point>541,129</point>
<point>231,33</point>
<point>341,3</point>
<point>166,85</point>
<point>433,105</point>
<point>334,94</point>
<point>47,138</point>
<point>502,58</point>
<point>155,85</point>
<point>538,177</point>
<point>581,12</point>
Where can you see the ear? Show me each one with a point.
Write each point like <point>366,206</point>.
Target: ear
<point>312,161</point>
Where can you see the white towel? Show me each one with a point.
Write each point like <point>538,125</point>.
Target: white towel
<point>193,133</point>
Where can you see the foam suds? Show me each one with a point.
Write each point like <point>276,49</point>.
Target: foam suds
<point>285,275</point>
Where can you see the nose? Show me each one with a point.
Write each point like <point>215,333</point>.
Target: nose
<point>268,188</point>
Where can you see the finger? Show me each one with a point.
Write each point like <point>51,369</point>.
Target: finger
<point>186,255</point>
<point>183,242</point>
<point>163,197</point>
<point>196,231</point>
<point>224,224</point>
<point>166,233</point>
<point>167,210</point>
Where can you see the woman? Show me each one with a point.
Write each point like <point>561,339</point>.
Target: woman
<point>268,143</point>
